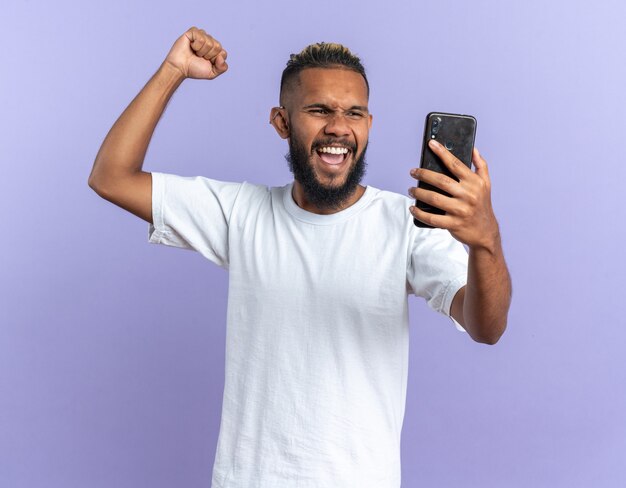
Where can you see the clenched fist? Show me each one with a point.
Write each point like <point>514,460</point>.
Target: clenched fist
<point>197,55</point>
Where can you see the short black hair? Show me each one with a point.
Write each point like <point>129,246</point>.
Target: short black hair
<point>322,55</point>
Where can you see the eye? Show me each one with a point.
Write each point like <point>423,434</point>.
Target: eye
<point>318,111</point>
<point>355,114</point>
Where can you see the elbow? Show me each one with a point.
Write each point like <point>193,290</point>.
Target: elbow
<point>91,181</point>
<point>94,186</point>
<point>101,191</point>
<point>489,341</point>
<point>98,177</point>
<point>491,335</point>
<point>97,184</point>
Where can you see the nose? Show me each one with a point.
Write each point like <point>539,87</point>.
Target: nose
<point>337,125</point>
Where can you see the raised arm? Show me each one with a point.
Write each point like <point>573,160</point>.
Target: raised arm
<point>117,174</point>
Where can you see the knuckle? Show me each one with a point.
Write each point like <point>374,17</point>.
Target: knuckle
<point>472,199</point>
<point>463,212</point>
<point>444,182</point>
<point>456,225</point>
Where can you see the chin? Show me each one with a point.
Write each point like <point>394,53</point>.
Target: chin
<point>325,186</point>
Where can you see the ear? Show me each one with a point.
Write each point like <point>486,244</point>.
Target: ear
<point>278,118</point>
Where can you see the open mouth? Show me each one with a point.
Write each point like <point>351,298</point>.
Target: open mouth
<point>333,155</point>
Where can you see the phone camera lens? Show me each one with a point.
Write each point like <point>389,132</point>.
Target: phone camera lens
<point>435,126</point>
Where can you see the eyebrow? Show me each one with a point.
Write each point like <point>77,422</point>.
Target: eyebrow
<point>324,106</point>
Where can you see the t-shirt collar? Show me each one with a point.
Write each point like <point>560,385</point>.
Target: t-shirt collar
<point>313,218</point>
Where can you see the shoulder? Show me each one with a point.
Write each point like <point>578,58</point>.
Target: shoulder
<point>392,206</point>
<point>193,184</point>
<point>203,191</point>
<point>253,194</point>
<point>389,198</point>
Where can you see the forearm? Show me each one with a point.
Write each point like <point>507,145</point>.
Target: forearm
<point>488,293</point>
<point>125,146</point>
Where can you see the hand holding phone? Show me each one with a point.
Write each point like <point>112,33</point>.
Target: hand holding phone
<point>464,208</point>
<point>457,134</point>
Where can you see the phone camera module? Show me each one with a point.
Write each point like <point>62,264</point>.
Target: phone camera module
<point>435,126</point>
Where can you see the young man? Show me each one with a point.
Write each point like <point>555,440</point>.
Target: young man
<point>320,271</point>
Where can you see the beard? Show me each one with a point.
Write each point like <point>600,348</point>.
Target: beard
<point>324,197</point>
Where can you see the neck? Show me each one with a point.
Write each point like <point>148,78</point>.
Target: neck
<point>301,200</point>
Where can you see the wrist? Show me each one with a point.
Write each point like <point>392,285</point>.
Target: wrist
<point>490,244</point>
<point>171,74</point>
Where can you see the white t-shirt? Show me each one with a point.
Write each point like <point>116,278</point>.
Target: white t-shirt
<point>317,336</point>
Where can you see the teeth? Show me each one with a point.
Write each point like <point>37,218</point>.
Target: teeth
<point>334,150</point>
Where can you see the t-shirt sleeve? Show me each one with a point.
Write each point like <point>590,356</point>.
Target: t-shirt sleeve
<point>437,269</point>
<point>193,213</point>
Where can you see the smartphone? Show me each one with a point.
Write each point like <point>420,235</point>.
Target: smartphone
<point>455,132</point>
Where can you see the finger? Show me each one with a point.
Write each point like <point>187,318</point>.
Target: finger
<point>438,180</point>
<point>455,165</point>
<point>196,40</point>
<point>481,166</point>
<point>190,33</point>
<point>209,49</point>
<point>203,44</point>
<point>220,64</point>
<point>200,46</point>
<point>435,199</point>
<point>435,220</point>
<point>214,49</point>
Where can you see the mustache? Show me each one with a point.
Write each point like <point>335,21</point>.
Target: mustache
<point>329,141</point>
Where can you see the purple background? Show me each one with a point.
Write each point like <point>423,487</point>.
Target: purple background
<point>112,349</point>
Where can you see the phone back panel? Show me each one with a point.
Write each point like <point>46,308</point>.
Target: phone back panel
<point>456,133</point>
